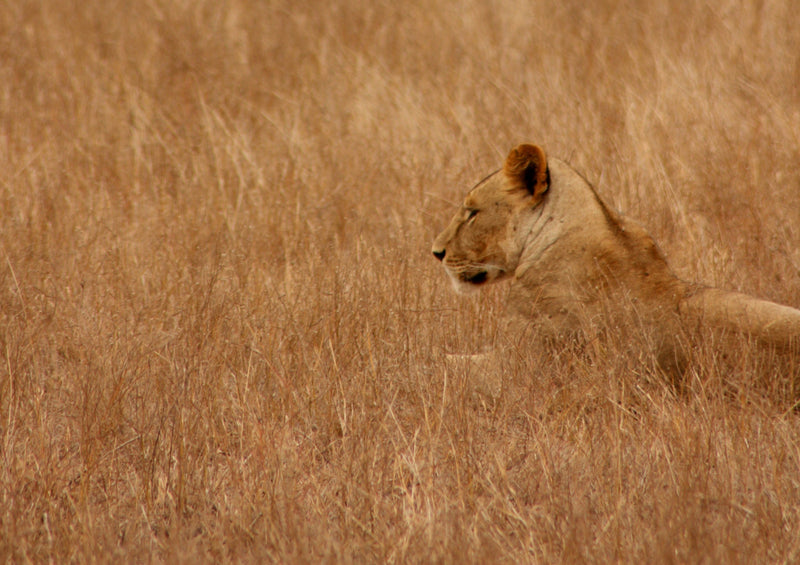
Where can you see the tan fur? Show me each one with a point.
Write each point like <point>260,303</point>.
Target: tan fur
<point>572,263</point>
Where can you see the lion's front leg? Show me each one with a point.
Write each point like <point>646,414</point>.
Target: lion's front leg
<point>482,371</point>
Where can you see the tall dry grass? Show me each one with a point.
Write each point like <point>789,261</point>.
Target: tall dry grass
<point>221,331</point>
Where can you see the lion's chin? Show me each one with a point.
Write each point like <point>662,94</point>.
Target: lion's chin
<point>462,287</point>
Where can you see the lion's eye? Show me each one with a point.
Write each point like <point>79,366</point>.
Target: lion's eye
<point>472,214</point>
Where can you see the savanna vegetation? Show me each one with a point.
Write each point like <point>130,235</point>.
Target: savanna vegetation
<point>222,332</point>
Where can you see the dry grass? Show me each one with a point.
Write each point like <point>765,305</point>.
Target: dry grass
<point>221,331</point>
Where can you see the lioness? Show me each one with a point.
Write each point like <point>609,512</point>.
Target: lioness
<point>574,264</point>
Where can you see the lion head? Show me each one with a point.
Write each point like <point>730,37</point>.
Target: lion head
<point>484,240</point>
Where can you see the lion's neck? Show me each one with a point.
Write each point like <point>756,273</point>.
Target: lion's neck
<point>568,209</point>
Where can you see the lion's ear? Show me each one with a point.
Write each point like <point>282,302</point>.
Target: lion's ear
<point>526,165</point>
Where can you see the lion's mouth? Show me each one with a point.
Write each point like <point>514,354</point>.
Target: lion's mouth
<point>477,278</point>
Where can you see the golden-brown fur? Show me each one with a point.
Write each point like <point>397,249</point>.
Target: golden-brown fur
<point>574,264</point>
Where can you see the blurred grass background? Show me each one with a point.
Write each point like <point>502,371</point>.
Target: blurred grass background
<point>221,330</point>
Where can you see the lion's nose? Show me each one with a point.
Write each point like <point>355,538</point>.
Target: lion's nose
<point>439,254</point>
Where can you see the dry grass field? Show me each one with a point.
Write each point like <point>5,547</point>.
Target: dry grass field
<point>222,331</point>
